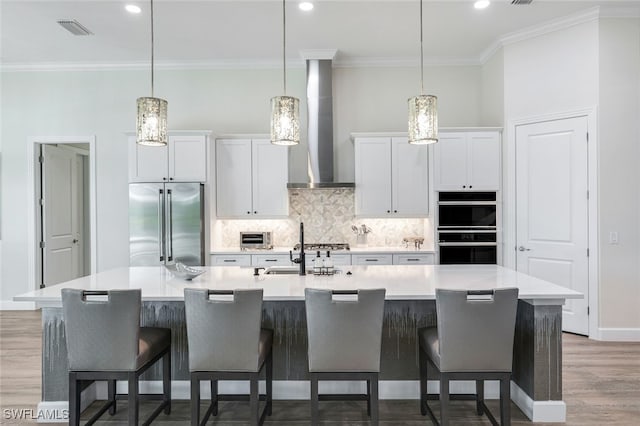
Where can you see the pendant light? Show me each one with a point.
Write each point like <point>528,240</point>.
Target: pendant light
<point>151,120</point>
<point>285,118</point>
<point>423,109</point>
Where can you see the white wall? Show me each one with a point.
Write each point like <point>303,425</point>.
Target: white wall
<point>585,66</point>
<point>102,103</point>
<point>619,156</point>
<point>492,91</point>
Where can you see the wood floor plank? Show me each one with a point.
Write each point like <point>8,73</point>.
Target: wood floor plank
<point>601,382</point>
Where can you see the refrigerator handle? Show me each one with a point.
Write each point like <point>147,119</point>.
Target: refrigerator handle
<point>161,222</point>
<point>170,201</point>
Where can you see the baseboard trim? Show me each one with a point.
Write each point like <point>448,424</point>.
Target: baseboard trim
<point>618,334</point>
<point>536,411</point>
<point>10,305</point>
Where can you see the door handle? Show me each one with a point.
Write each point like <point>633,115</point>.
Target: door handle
<point>161,228</point>
<point>522,248</point>
<point>170,201</point>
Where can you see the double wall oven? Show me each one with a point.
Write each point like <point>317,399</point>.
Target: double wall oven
<point>467,228</point>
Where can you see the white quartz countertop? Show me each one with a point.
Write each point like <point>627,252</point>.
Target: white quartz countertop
<point>353,250</point>
<point>402,282</point>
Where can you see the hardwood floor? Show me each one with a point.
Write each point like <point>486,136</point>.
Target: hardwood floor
<point>601,385</point>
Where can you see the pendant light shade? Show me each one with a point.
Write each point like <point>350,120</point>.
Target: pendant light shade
<point>285,122</point>
<point>151,117</point>
<point>423,109</point>
<point>151,122</point>
<point>285,115</point>
<point>423,119</point>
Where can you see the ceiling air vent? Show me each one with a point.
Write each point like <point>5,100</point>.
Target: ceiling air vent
<point>521,1</point>
<point>74,27</point>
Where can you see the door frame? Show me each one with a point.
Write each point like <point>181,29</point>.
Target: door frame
<point>509,200</point>
<point>32,204</point>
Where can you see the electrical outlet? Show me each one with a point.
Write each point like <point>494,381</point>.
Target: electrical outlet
<point>613,237</point>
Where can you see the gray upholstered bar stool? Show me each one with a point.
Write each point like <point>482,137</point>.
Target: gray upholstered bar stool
<point>227,343</point>
<point>345,338</point>
<point>473,341</point>
<point>106,343</point>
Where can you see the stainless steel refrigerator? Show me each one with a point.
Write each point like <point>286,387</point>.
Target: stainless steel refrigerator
<point>166,223</point>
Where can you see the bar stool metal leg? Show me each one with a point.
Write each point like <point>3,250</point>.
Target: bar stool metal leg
<point>269,384</point>
<point>214,397</point>
<point>132,399</point>
<point>423,381</point>
<point>373,399</point>
<point>254,408</point>
<point>444,399</point>
<point>74,400</point>
<point>479,396</point>
<point>166,381</point>
<point>315,415</point>
<point>112,396</point>
<point>195,400</point>
<point>505,401</point>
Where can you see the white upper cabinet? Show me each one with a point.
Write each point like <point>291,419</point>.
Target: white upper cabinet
<point>251,179</point>
<point>391,177</point>
<point>467,161</point>
<point>184,159</point>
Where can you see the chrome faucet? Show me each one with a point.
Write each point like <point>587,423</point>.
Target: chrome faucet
<point>301,258</point>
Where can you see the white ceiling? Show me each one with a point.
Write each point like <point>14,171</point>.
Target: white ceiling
<point>232,33</point>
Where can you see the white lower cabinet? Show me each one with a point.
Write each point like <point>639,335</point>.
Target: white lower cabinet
<point>230,260</point>
<point>265,260</point>
<point>372,259</point>
<point>338,259</point>
<point>414,259</point>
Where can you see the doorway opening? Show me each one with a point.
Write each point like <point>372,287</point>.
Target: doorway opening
<point>62,232</point>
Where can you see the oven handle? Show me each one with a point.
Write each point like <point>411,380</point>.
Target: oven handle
<point>467,203</point>
<point>445,244</point>
<point>467,231</point>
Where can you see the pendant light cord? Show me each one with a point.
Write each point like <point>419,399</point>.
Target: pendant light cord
<point>421,55</point>
<point>284,48</point>
<point>152,48</point>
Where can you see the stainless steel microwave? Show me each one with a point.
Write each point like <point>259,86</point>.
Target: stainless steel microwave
<point>255,240</point>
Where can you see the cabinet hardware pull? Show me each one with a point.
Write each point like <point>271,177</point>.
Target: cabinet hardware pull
<point>229,260</point>
<point>388,211</point>
<point>271,260</point>
<point>413,260</point>
<point>248,212</point>
<point>371,260</point>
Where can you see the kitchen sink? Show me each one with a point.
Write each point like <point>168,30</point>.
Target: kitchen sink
<point>283,270</point>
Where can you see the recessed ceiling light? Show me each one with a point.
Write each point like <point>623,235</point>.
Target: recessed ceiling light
<point>481,4</point>
<point>132,8</point>
<point>306,6</point>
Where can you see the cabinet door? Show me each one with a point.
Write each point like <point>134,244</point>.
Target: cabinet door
<point>410,179</point>
<point>373,177</point>
<point>414,259</point>
<point>270,175</point>
<point>233,178</point>
<point>450,162</point>
<point>265,260</point>
<point>484,161</point>
<point>371,259</point>
<point>230,260</point>
<point>188,158</point>
<point>147,163</point>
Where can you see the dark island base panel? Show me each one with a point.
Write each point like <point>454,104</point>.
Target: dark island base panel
<point>537,351</point>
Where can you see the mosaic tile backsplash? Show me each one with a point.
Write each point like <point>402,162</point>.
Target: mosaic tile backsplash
<point>328,215</point>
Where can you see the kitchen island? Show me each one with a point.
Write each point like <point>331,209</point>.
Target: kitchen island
<point>537,372</point>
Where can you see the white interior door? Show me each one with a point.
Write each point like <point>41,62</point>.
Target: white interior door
<point>552,209</point>
<point>61,215</point>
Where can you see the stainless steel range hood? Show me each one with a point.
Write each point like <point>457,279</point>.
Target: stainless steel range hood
<point>320,127</point>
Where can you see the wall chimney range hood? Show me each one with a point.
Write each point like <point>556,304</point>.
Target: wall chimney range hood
<point>319,122</point>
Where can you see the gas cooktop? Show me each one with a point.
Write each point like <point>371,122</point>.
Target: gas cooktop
<point>323,246</point>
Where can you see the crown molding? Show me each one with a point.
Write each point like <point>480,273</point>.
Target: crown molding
<point>589,15</point>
